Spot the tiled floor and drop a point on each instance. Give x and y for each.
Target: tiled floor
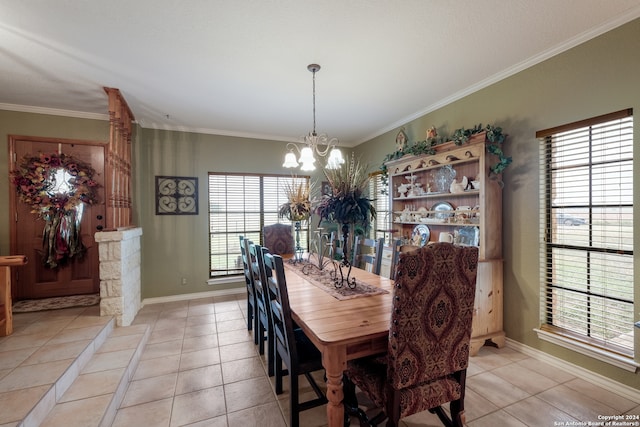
(201, 368)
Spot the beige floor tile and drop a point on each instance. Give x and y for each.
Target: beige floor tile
(229, 315)
(76, 334)
(205, 303)
(550, 371)
(238, 351)
(421, 419)
(476, 406)
(129, 330)
(79, 413)
(576, 404)
(234, 337)
(247, 393)
(634, 411)
(163, 349)
(174, 305)
(50, 327)
(536, 412)
(199, 309)
(109, 360)
(156, 367)
(200, 343)
(11, 359)
(198, 379)
(177, 313)
(220, 421)
(120, 343)
(169, 334)
(62, 351)
(525, 379)
(18, 342)
(32, 376)
(17, 404)
(150, 389)
(233, 325)
(94, 384)
(617, 402)
(199, 330)
(267, 415)
(230, 305)
(488, 359)
(89, 320)
(202, 319)
(495, 389)
(149, 318)
(497, 419)
(199, 358)
(169, 323)
(197, 406)
(156, 414)
(242, 369)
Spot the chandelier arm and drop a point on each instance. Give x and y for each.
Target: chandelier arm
(291, 146)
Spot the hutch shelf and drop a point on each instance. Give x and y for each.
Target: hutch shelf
(451, 196)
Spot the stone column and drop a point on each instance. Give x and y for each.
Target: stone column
(120, 279)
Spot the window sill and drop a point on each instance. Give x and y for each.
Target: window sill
(224, 280)
(618, 360)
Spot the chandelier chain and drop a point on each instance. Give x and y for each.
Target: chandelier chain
(314, 101)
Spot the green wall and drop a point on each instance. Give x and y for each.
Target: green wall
(597, 77)
(177, 246)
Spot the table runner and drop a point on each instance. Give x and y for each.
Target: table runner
(322, 279)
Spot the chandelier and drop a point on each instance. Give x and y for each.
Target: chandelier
(314, 143)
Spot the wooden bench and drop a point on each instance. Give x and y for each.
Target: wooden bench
(6, 316)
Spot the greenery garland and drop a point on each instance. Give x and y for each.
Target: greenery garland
(36, 183)
(493, 136)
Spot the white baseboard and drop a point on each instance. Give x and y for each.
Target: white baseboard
(196, 295)
(578, 371)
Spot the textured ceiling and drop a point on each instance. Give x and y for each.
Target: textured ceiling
(239, 67)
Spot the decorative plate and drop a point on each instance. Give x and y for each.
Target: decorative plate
(469, 236)
(442, 210)
(420, 235)
(443, 178)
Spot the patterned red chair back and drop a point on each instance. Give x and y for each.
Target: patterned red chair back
(278, 238)
(432, 314)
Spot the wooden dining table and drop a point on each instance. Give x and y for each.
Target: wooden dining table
(341, 329)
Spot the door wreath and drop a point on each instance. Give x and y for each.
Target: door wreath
(56, 186)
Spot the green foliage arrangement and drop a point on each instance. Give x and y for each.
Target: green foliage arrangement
(493, 136)
(347, 203)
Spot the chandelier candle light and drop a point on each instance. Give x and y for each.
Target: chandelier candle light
(313, 142)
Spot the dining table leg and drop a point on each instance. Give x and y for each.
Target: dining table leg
(334, 361)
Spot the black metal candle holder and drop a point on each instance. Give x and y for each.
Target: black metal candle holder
(339, 282)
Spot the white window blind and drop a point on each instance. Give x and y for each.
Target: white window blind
(241, 205)
(378, 191)
(586, 218)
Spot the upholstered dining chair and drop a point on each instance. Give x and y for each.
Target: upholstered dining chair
(278, 238)
(396, 249)
(252, 318)
(428, 352)
(263, 304)
(293, 348)
(368, 251)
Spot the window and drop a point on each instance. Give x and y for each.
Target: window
(587, 233)
(378, 191)
(241, 205)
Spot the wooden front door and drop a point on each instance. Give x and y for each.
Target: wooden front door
(80, 275)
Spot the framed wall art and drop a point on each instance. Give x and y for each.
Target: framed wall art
(176, 195)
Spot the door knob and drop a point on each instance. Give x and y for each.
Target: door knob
(99, 227)
(99, 217)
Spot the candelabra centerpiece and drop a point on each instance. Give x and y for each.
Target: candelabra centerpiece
(348, 205)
